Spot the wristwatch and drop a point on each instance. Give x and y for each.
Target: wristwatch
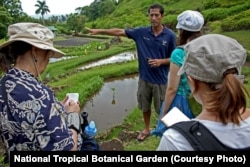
(73, 121)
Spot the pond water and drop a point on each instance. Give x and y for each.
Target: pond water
(117, 97)
(122, 57)
(52, 60)
(113, 102)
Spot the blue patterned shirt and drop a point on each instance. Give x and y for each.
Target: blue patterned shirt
(35, 119)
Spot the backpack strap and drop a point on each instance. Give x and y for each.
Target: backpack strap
(199, 136)
(180, 46)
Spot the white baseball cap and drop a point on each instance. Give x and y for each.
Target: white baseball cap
(190, 20)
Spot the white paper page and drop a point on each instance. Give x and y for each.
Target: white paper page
(174, 116)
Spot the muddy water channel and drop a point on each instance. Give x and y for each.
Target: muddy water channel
(113, 102)
(116, 98)
(122, 57)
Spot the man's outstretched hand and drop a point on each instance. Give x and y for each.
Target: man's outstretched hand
(91, 31)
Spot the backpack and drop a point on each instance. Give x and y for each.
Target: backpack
(200, 137)
(90, 145)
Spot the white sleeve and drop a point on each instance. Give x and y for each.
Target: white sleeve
(173, 141)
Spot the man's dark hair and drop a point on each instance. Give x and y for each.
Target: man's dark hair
(156, 6)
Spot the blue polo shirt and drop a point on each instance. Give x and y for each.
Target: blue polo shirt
(155, 47)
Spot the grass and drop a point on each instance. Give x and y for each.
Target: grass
(133, 123)
(88, 82)
(241, 36)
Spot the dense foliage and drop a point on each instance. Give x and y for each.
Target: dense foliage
(133, 13)
(229, 15)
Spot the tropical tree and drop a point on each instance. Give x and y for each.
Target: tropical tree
(14, 8)
(78, 10)
(63, 18)
(6, 19)
(98, 8)
(106, 7)
(53, 19)
(76, 22)
(42, 9)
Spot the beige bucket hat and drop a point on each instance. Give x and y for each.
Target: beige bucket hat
(34, 34)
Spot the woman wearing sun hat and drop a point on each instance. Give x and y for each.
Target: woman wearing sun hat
(213, 66)
(189, 24)
(31, 118)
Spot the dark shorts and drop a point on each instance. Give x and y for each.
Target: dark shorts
(148, 92)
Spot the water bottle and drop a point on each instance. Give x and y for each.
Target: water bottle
(89, 143)
(90, 130)
(84, 119)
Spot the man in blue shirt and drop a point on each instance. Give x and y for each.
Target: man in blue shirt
(154, 46)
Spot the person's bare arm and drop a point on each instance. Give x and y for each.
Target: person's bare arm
(112, 32)
(165, 61)
(173, 83)
(158, 62)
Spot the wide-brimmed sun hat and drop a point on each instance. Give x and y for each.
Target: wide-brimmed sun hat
(208, 57)
(34, 34)
(190, 20)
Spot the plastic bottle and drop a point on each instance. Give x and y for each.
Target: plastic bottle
(90, 130)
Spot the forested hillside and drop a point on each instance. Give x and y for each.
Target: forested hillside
(229, 17)
(220, 15)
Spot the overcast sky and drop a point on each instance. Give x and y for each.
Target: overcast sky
(56, 7)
